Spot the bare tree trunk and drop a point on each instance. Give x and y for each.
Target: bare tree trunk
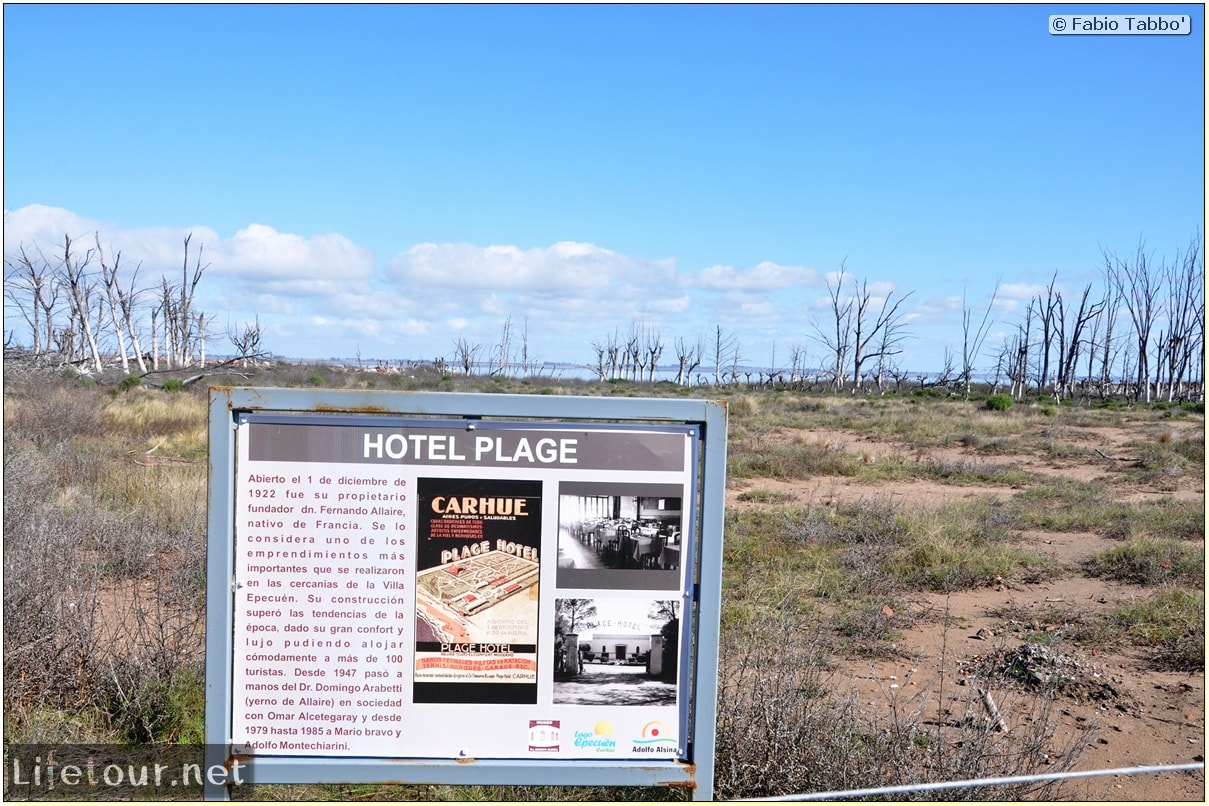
(79, 286)
(171, 329)
(886, 326)
(654, 349)
(1085, 314)
(1112, 307)
(127, 312)
(1046, 312)
(155, 342)
(525, 368)
(1018, 363)
(1138, 290)
(184, 314)
(971, 344)
(202, 324)
(1185, 292)
(109, 277)
(464, 352)
(33, 288)
(505, 346)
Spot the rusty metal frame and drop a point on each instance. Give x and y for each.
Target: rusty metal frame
(694, 771)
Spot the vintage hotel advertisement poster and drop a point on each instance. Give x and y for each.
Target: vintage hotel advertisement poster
(477, 587)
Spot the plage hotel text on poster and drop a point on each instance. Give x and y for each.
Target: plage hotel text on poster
(421, 588)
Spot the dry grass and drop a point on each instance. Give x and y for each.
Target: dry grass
(143, 414)
(105, 543)
(103, 560)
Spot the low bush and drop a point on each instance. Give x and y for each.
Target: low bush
(103, 568)
(1171, 622)
(1151, 561)
(787, 725)
(999, 402)
(792, 460)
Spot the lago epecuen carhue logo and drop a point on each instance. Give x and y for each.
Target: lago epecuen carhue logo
(600, 739)
(655, 739)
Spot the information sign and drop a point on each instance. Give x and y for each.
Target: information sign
(396, 585)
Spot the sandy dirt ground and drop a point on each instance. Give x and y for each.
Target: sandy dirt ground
(1124, 711)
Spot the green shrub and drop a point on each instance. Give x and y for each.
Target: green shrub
(761, 495)
(743, 406)
(129, 382)
(793, 460)
(1172, 622)
(1150, 561)
(316, 380)
(999, 402)
(173, 385)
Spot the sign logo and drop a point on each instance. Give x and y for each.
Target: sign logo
(655, 739)
(544, 735)
(600, 738)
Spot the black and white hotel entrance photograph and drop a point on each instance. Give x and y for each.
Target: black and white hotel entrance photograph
(616, 652)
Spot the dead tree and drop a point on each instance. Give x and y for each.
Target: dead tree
(838, 339)
(1139, 290)
(504, 348)
(688, 358)
(883, 331)
(1047, 311)
(1071, 339)
(247, 342)
(654, 349)
(73, 271)
(185, 319)
(1184, 278)
(33, 288)
(608, 355)
(466, 354)
(1112, 306)
(971, 343)
(121, 304)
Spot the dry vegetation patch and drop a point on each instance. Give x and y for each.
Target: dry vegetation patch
(891, 564)
(1099, 513)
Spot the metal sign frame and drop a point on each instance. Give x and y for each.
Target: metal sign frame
(703, 421)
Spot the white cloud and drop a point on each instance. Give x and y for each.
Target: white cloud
(377, 332)
(758, 310)
(1020, 291)
(258, 258)
(262, 258)
(44, 226)
(764, 276)
(162, 249)
(878, 290)
(670, 305)
(565, 267)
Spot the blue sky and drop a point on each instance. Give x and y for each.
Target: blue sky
(387, 179)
